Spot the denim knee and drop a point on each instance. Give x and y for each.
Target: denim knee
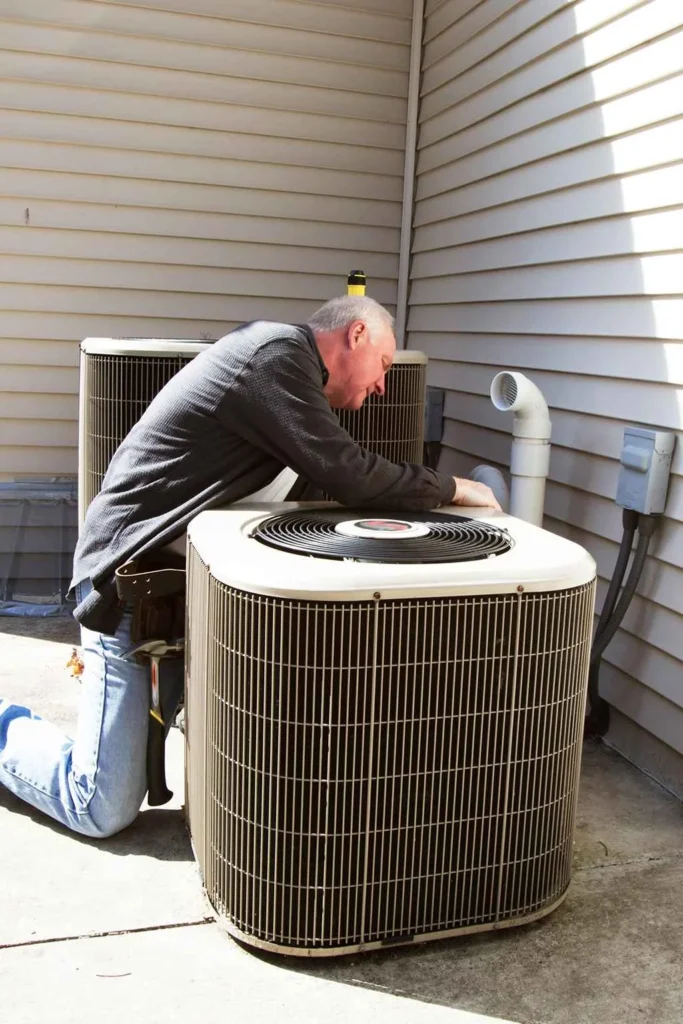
(107, 820)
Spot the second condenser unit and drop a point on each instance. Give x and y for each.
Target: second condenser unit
(120, 377)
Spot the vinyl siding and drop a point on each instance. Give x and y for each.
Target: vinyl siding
(549, 213)
(167, 170)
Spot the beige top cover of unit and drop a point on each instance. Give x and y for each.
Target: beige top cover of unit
(539, 561)
(406, 356)
(178, 346)
(142, 347)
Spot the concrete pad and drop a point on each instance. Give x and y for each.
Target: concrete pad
(610, 955)
(33, 671)
(623, 815)
(60, 628)
(188, 974)
(58, 884)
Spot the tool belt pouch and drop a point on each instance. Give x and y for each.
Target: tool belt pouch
(156, 590)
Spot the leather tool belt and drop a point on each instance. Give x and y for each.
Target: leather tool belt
(156, 591)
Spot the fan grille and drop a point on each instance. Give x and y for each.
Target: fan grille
(450, 538)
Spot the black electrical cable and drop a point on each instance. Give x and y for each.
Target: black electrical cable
(629, 520)
(597, 720)
(646, 527)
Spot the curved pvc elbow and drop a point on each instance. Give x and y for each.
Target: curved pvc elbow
(513, 392)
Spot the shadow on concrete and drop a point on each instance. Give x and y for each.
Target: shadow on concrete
(157, 833)
(61, 629)
(609, 953)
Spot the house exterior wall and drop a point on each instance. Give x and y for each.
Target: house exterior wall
(549, 209)
(168, 171)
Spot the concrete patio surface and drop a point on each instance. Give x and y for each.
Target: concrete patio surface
(101, 931)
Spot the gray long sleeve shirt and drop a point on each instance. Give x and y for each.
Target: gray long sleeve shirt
(222, 428)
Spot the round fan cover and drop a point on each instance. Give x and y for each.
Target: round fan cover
(412, 537)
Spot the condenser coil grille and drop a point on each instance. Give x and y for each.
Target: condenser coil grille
(392, 425)
(119, 389)
(372, 772)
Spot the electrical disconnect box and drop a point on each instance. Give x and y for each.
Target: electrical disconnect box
(645, 465)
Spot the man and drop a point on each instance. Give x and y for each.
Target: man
(256, 401)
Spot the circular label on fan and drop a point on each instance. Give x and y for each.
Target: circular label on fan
(397, 529)
(384, 525)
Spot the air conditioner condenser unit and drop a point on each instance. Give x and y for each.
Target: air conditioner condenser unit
(384, 722)
(120, 377)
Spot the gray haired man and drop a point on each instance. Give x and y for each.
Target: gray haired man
(225, 426)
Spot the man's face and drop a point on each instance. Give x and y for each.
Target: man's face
(362, 366)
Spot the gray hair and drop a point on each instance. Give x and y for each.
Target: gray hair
(337, 314)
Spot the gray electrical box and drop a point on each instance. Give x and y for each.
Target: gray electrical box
(645, 465)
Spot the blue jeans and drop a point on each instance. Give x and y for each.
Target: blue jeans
(96, 782)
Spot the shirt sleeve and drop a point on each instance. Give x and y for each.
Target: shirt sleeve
(277, 404)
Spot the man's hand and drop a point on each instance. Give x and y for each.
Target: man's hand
(468, 492)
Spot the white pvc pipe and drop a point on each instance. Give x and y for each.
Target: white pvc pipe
(531, 429)
(409, 174)
(528, 472)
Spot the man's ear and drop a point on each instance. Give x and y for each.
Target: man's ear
(355, 334)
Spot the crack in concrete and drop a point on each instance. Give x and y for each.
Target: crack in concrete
(108, 934)
(672, 857)
(654, 858)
